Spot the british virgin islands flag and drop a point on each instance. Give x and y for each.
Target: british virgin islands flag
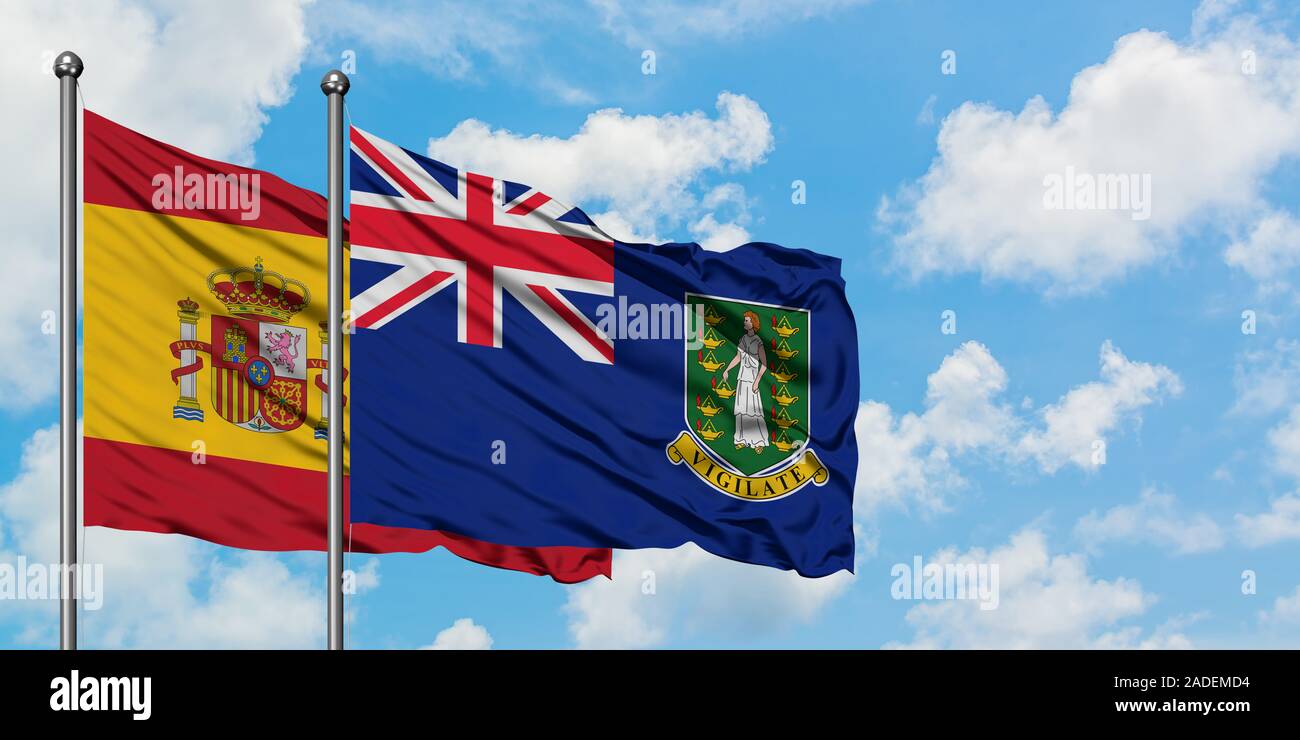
(519, 376)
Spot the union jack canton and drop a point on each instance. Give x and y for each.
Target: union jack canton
(445, 227)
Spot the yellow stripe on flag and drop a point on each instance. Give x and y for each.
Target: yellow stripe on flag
(138, 265)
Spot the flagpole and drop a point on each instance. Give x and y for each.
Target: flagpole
(335, 85)
(68, 67)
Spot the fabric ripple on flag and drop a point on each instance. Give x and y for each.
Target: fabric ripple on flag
(204, 360)
(522, 376)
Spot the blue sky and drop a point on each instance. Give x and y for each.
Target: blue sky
(976, 445)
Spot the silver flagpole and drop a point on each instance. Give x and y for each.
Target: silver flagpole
(67, 67)
(335, 85)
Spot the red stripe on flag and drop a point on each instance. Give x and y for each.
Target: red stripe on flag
(480, 274)
(275, 508)
(217, 376)
(530, 205)
(390, 169)
(482, 240)
(126, 169)
(378, 313)
(580, 326)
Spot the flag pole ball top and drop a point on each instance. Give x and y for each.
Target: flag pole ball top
(69, 63)
(334, 81)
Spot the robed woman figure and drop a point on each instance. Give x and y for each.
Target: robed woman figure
(751, 425)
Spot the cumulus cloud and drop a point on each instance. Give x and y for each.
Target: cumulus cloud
(1088, 413)
(729, 202)
(1269, 251)
(1285, 610)
(909, 459)
(1284, 440)
(662, 595)
(898, 464)
(253, 602)
(149, 66)
(159, 591)
(961, 412)
(463, 634)
(1268, 380)
(1154, 107)
(644, 168)
(1279, 524)
(1045, 601)
(1155, 519)
(718, 237)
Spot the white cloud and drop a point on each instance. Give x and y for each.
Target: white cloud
(199, 75)
(641, 22)
(897, 463)
(1279, 524)
(1154, 519)
(662, 595)
(1154, 106)
(391, 32)
(1268, 380)
(730, 201)
(27, 500)
(254, 602)
(566, 92)
(1285, 611)
(1269, 251)
(960, 409)
(1045, 601)
(159, 590)
(925, 117)
(1284, 439)
(642, 167)
(1166, 636)
(473, 40)
(1090, 412)
(463, 634)
(718, 237)
(909, 459)
(365, 578)
(615, 225)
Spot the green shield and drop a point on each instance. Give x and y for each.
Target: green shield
(720, 408)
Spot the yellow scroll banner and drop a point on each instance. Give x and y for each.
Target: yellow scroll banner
(758, 488)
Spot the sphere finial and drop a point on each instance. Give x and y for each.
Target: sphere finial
(68, 64)
(335, 81)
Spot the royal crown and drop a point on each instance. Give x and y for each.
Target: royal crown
(257, 293)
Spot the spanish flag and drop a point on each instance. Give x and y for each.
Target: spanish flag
(204, 370)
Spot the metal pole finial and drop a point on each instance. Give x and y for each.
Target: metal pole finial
(67, 67)
(335, 81)
(68, 64)
(335, 86)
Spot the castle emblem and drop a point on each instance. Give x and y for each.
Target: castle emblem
(259, 373)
